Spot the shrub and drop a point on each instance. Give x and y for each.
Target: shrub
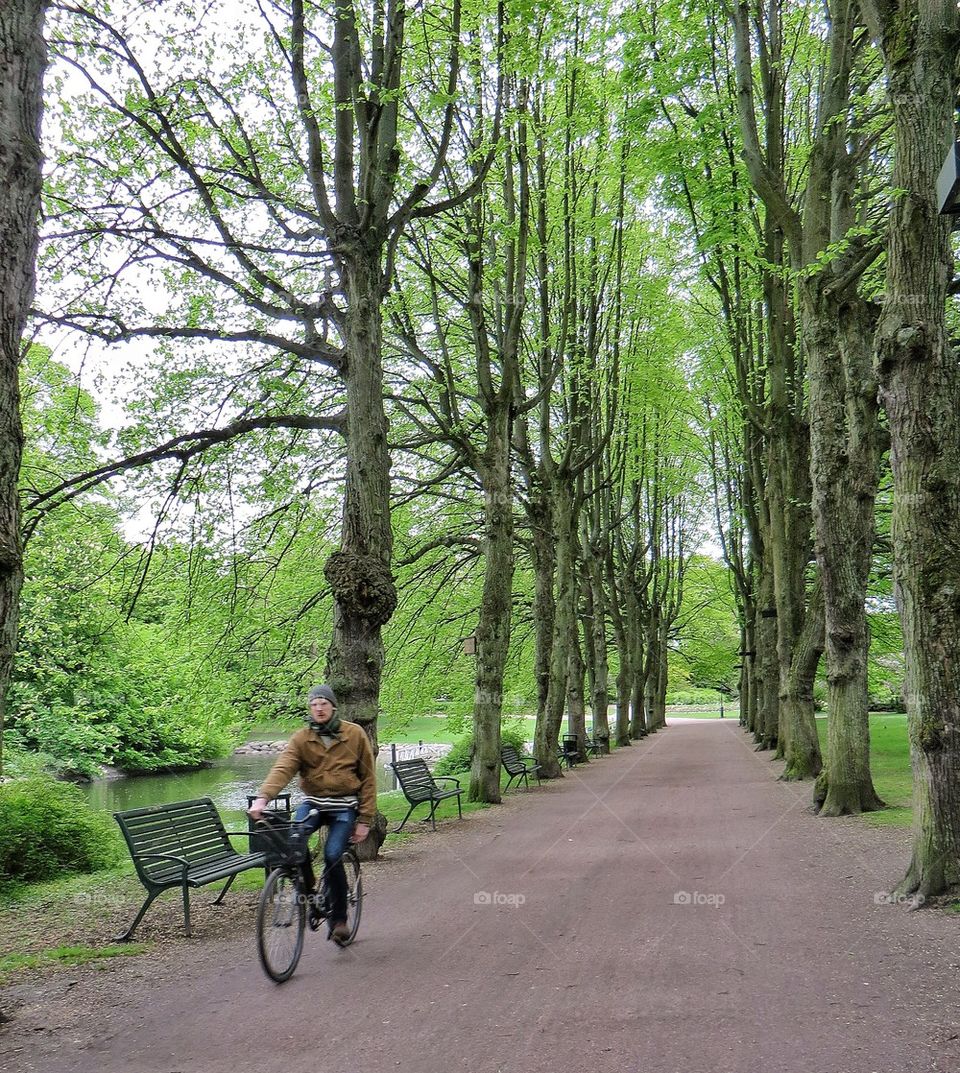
(693, 696)
(458, 759)
(47, 828)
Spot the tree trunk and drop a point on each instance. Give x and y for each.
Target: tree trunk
(576, 707)
(651, 672)
(638, 664)
(844, 466)
(748, 694)
(920, 390)
(789, 548)
(359, 571)
(802, 747)
(493, 630)
(590, 655)
(596, 625)
(765, 663)
(547, 730)
(786, 531)
(624, 680)
(656, 685)
(624, 663)
(836, 328)
(22, 62)
(540, 516)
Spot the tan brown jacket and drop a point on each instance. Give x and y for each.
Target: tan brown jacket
(343, 768)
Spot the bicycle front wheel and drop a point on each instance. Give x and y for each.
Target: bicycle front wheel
(281, 922)
(351, 865)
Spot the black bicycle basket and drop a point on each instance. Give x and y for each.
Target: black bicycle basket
(285, 842)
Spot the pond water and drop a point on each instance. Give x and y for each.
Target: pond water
(227, 782)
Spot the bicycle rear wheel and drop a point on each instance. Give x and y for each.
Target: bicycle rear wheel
(281, 922)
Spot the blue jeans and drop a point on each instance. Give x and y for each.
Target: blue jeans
(341, 823)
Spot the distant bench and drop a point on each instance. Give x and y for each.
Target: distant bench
(598, 745)
(420, 787)
(182, 844)
(518, 767)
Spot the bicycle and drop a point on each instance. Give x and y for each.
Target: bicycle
(287, 908)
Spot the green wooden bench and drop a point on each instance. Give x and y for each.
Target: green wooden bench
(598, 745)
(181, 844)
(518, 767)
(421, 788)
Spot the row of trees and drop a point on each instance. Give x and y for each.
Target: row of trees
(806, 163)
(568, 271)
(282, 203)
(148, 658)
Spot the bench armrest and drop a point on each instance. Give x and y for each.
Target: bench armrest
(446, 778)
(162, 857)
(182, 861)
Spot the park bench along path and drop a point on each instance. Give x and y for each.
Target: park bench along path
(671, 908)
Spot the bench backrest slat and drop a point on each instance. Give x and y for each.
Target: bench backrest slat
(414, 776)
(189, 829)
(512, 760)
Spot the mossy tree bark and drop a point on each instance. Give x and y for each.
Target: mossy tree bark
(596, 540)
(359, 571)
(547, 729)
(836, 329)
(920, 391)
(787, 522)
(496, 347)
(496, 611)
(22, 62)
(576, 700)
(802, 747)
(619, 569)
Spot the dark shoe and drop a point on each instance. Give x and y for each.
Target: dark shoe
(340, 932)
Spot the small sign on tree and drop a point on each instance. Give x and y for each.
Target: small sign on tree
(948, 183)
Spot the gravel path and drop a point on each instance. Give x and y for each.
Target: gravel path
(671, 908)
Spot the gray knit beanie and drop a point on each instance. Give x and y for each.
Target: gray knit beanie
(322, 693)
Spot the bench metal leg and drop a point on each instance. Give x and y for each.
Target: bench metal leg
(128, 934)
(434, 805)
(219, 897)
(407, 817)
(186, 908)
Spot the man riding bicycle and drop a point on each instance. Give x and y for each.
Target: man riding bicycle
(337, 772)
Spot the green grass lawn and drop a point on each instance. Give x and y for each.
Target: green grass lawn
(431, 729)
(890, 765)
(684, 712)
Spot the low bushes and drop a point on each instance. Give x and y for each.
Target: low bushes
(47, 828)
(458, 759)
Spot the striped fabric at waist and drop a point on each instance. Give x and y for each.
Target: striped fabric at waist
(331, 804)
